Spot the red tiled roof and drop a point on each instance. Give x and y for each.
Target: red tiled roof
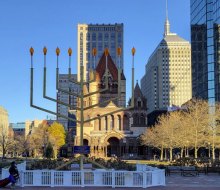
(100, 69)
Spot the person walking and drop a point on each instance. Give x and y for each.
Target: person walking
(14, 175)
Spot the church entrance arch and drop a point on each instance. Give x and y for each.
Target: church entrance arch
(113, 148)
(85, 142)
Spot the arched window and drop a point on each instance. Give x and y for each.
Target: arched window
(139, 102)
(90, 102)
(142, 119)
(135, 119)
(85, 142)
(112, 122)
(99, 123)
(119, 122)
(106, 123)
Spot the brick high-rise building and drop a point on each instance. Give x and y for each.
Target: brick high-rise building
(99, 36)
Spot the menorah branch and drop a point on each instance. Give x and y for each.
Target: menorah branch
(103, 102)
(45, 91)
(110, 113)
(62, 90)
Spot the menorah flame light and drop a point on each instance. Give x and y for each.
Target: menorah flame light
(81, 95)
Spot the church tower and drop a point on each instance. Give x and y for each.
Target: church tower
(99, 84)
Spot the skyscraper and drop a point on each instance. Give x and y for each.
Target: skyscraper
(99, 36)
(205, 38)
(167, 79)
(64, 84)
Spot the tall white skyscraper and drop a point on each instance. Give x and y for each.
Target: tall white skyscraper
(167, 79)
(99, 36)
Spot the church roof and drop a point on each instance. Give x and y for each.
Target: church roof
(137, 91)
(100, 69)
(111, 105)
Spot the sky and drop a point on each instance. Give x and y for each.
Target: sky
(53, 23)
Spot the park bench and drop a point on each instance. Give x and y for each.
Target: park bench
(202, 170)
(183, 170)
(189, 171)
(77, 166)
(173, 169)
(213, 170)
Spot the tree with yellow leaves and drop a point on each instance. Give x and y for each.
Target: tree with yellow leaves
(57, 136)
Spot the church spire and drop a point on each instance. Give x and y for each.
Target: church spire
(167, 23)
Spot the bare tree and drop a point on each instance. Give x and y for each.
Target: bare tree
(196, 120)
(154, 137)
(5, 141)
(21, 145)
(190, 128)
(213, 131)
(39, 139)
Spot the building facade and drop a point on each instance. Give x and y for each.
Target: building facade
(205, 39)
(63, 83)
(99, 36)
(167, 79)
(18, 128)
(116, 134)
(30, 126)
(4, 121)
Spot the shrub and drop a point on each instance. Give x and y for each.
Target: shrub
(113, 163)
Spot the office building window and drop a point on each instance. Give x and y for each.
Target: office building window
(106, 45)
(100, 46)
(93, 36)
(100, 38)
(112, 36)
(94, 45)
(106, 37)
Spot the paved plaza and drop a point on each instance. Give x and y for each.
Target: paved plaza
(173, 182)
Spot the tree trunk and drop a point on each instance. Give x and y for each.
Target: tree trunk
(181, 153)
(3, 153)
(55, 152)
(196, 152)
(171, 154)
(165, 155)
(213, 153)
(161, 154)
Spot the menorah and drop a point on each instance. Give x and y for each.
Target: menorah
(81, 95)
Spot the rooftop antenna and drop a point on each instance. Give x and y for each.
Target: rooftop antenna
(167, 24)
(166, 11)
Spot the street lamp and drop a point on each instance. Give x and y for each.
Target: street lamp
(81, 96)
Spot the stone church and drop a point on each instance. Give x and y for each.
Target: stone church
(116, 134)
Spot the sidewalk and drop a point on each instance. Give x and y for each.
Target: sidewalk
(173, 182)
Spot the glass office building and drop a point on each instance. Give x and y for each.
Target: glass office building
(205, 44)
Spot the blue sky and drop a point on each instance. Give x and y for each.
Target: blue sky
(53, 23)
